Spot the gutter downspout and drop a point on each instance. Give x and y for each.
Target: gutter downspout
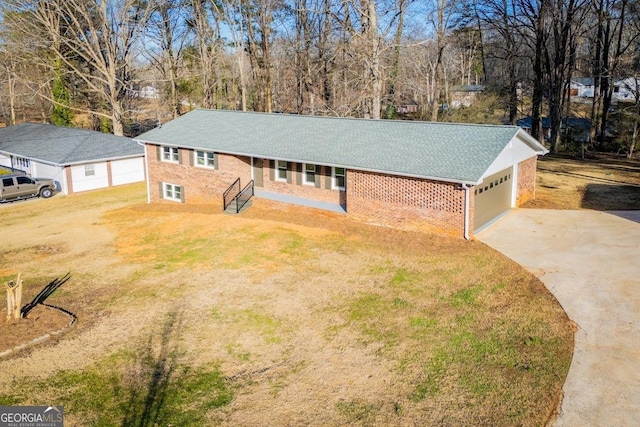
(146, 169)
(466, 210)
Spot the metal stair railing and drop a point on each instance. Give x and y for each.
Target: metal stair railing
(244, 196)
(233, 190)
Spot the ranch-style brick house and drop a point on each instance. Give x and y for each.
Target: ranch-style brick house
(452, 179)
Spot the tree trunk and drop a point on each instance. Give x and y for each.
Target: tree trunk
(538, 81)
(395, 64)
(634, 134)
(12, 100)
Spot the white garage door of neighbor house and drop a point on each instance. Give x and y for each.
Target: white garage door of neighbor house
(492, 197)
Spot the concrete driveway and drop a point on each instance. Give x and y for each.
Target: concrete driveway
(590, 261)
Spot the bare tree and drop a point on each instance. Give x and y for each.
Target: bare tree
(205, 19)
(8, 78)
(168, 33)
(500, 18)
(441, 20)
(613, 43)
(80, 32)
(231, 15)
(258, 16)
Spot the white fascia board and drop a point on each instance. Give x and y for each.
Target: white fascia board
(516, 151)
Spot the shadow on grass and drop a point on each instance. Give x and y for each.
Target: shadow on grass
(611, 197)
(156, 364)
(45, 293)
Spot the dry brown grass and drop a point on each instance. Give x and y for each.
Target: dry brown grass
(600, 184)
(312, 319)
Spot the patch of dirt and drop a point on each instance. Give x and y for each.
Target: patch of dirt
(41, 320)
(599, 183)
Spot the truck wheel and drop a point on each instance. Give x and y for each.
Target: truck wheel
(45, 193)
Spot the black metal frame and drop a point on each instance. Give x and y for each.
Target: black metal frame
(241, 197)
(226, 203)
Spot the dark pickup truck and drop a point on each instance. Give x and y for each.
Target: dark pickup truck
(16, 187)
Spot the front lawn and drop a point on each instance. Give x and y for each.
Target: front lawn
(279, 316)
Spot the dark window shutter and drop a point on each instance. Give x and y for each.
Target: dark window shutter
(317, 177)
(180, 155)
(299, 173)
(289, 173)
(182, 194)
(215, 160)
(161, 190)
(327, 177)
(159, 151)
(272, 170)
(192, 155)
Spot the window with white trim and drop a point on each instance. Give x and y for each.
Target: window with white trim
(309, 174)
(281, 170)
(170, 154)
(339, 178)
(89, 170)
(205, 159)
(172, 192)
(20, 162)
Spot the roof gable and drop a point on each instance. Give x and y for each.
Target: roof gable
(444, 151)
(65, 146)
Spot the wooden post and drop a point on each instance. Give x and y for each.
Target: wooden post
(14, 298)
(18, 298)
(9, 301)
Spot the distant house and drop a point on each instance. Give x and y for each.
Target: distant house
(77, 159)
(626, 90)
(407, 107)
(149, 92)
(581, 87)
(464, 95)
(526, 123)
(578, 126)
(446, 178)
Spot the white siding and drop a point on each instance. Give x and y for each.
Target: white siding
(41, 170)
(83, 183)
(5, 161)
(515, 152)
(127, 171)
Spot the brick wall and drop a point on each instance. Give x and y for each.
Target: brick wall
(67, 172)
(406, 203)
(322, 191)
(399, 202)
(526, 181)
(200, 185)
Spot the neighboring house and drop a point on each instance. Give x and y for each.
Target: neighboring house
(149, 92)
(447, 178)
(464, 95)
(581, 87)
(526, 123)
(77, 159)
(578, 126)
(626, 90)
(407, 107)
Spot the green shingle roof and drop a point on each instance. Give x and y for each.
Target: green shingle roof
(65, 146)
(450, 152)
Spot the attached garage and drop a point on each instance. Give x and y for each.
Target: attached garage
(493, 197)
(508, 182)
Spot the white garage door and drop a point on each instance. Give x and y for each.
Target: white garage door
(89, 177)
(492, 197)
(127, 171)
